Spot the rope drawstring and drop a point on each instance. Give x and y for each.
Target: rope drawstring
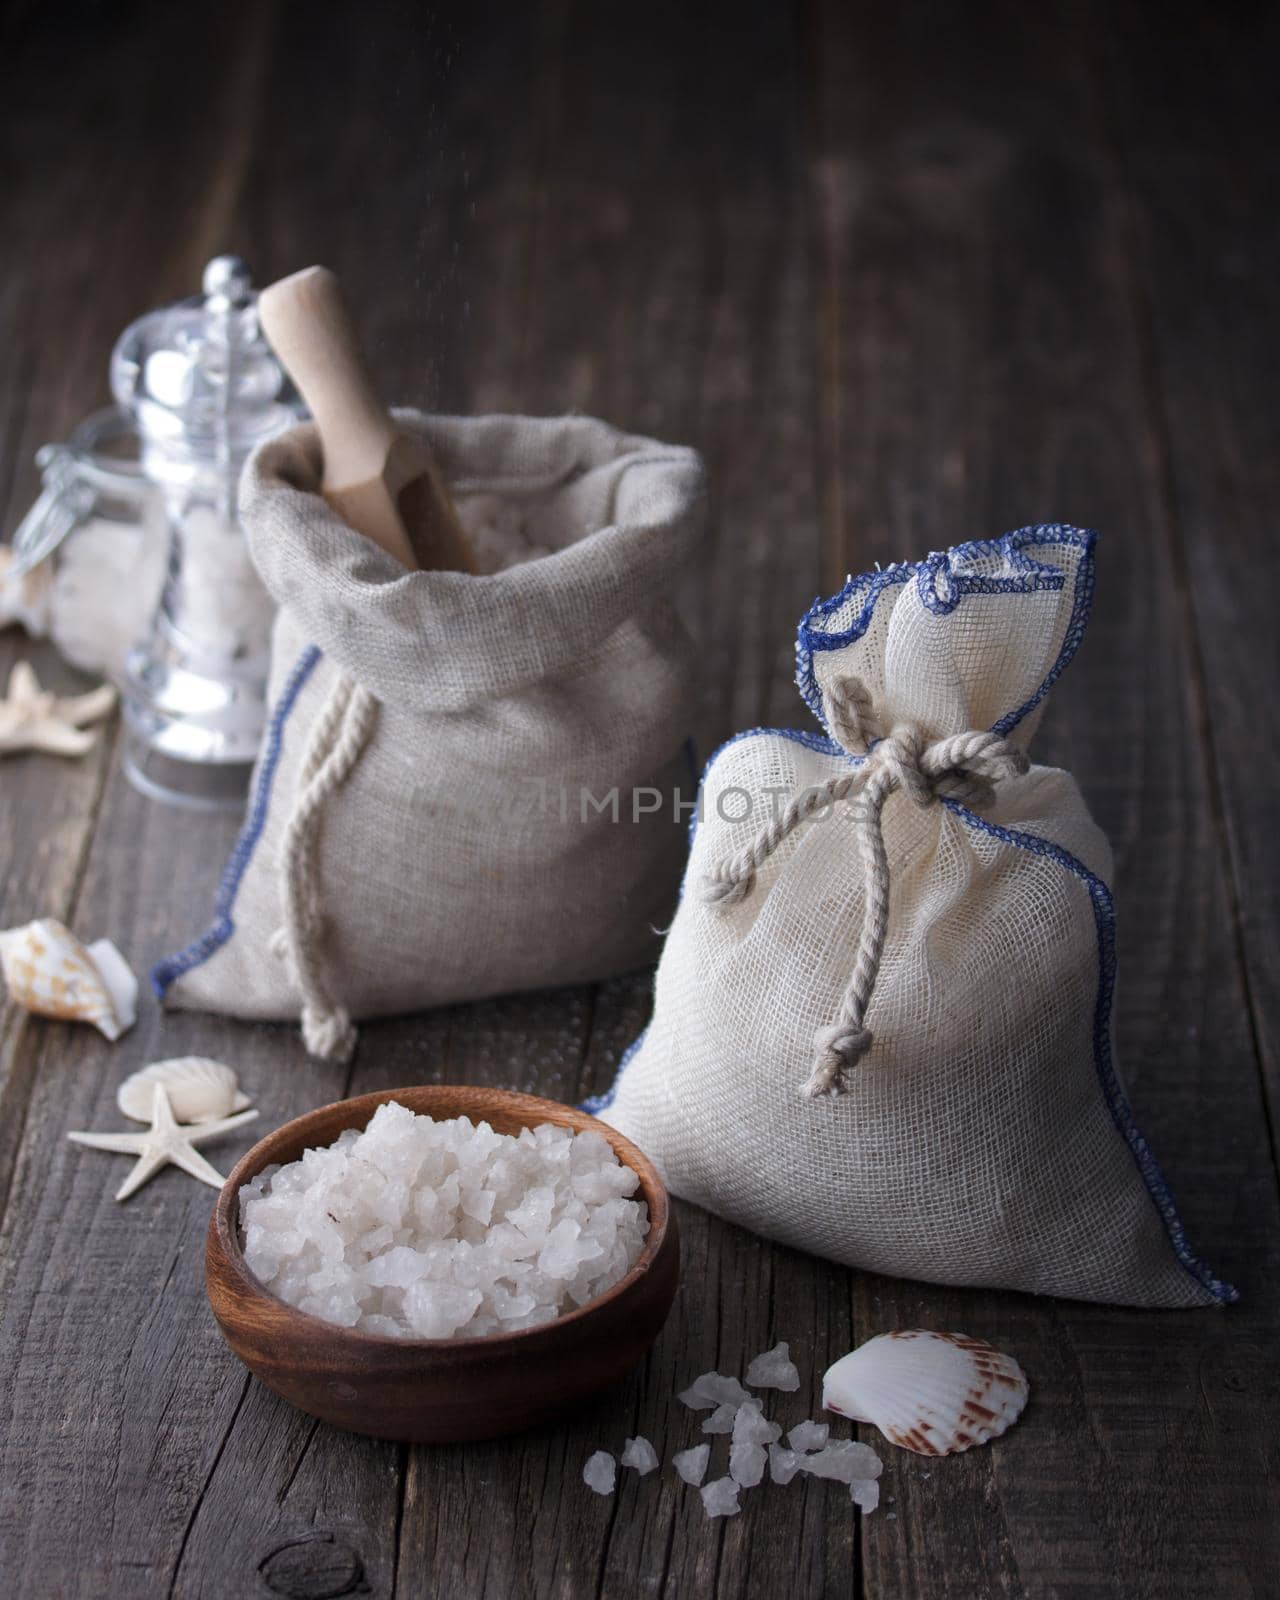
(964, 767)
(338, 736)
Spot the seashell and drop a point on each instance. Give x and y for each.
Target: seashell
(199, 1090)
(50, 973)
(934, 1393)
(25, 600)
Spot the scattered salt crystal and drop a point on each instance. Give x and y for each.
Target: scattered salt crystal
(713, 1389)
(600, 1472)
(691, 1464)
(844, 1460)
(746, 1462)
(640, 1454)
(720, 1498)
(721, 1419)
(865, 1494)
(809, 1436)
(751, 1427)
(774, 1369)
(754, 1443)
(445, 1230)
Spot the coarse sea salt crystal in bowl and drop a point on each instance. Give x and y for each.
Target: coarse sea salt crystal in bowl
(438, 1390)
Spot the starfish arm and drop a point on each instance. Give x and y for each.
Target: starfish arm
(204, 1131)
(162, 1119)
(148, 1164)
(57, 738)
(193, 1162)
(123, 1144)
(92, 707)
(23, 683)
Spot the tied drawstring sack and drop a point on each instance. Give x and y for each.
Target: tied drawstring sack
(468, 785)
(882, 1019)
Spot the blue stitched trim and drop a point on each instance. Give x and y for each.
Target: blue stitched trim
(171, 968)
(941, 590)
(1117, 1102)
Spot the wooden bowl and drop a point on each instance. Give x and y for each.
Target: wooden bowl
(436, 1390)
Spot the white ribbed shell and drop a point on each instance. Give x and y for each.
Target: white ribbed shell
(934, 1393)
(199, 1090)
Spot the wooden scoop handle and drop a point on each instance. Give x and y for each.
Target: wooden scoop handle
(383, 481)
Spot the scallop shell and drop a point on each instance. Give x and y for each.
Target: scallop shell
(199, 1090)
(51, 974)
(934, 1393)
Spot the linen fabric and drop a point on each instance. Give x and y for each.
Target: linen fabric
(470, 848)
(983, 1138)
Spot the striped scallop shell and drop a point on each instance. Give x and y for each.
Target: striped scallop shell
(934, 1393)
(50, 973)
(199, 1090)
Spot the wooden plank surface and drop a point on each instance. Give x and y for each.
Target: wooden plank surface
(83, 251)
(1207, 259)
(989, 350)
(905, 277)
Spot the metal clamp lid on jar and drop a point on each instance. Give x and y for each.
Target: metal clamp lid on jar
(197, 387)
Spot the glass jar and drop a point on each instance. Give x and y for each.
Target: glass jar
(152, 583)
(98, 532)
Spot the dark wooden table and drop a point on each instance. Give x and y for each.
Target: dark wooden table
(906, 274)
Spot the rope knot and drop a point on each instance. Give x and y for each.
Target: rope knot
(962, 767)
(836, 1048)
(899, 757)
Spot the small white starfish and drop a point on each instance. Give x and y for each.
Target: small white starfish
(32, 718)
(164, 1141)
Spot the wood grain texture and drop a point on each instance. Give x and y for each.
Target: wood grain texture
(1206, 256)
(905, 275)
(987, 339)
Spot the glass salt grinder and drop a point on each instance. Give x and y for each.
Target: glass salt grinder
(203, 388)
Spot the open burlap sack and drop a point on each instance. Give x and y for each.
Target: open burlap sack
(882, 1023)
(467, 783)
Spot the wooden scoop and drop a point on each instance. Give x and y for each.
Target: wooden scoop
(380, 480)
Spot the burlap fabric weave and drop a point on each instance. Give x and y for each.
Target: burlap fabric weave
(466, 844)
(970, 1127)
